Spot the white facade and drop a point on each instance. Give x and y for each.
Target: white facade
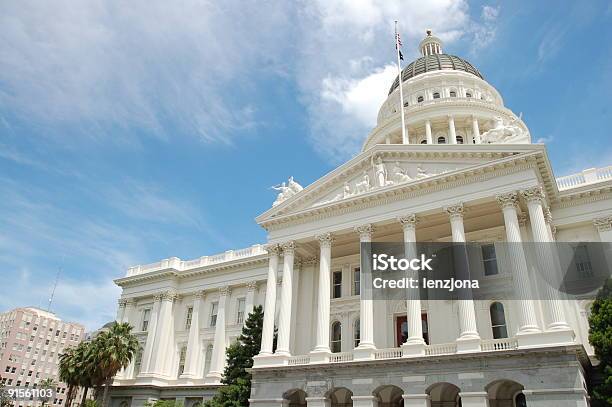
(466, 172)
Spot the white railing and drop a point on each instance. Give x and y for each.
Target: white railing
(341, 357)
(499, 344)
(588, 176)
(299, 360)
(178, 264)
(441, 349)
(389, 353)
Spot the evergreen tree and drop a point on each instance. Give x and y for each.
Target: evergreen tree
(236, 379)
(600, 336)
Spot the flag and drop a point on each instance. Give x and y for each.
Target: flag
(398, 45)
(401, 56)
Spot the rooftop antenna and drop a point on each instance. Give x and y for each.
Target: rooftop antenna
(59, 270)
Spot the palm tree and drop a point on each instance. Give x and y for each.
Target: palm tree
(114, 350)
(68, 373)
(45, 384)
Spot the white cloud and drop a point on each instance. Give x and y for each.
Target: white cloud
(347, 53)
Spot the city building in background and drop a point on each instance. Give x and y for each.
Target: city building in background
(463, 168)
(31, 342)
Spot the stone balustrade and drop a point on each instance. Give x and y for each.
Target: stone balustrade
(586, 177)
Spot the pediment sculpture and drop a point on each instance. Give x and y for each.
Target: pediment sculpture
(286, 190)
(381, 178)
(503, 132)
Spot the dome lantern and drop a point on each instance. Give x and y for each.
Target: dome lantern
(430, 45)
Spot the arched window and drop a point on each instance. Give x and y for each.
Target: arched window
(419, 99)
(498, 320)
(519, 400)
(441, 140)
(459, 139)
(208, 359)
(468, 95)
(453, 94)
(423, 141)
(356, 332)
(336, 341)
(436, 95)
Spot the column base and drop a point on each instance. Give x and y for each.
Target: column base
(468, 344)
(213, 378)
(412, 349)
(189, 377)
(318, 402)
(474, 399)
(546, 338)
(416, 400)
(364, 401)
(265, 360)
(320, 356)
(365, 352)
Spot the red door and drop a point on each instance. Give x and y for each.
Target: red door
(401, 329)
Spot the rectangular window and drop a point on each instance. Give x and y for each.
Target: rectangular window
(337, 284)
(137, 361)
(146, 314)
(582, 261)
(356, 281)
(214, 308)
(240, 306)
(188, 317)
(489, 260)
(182, 356)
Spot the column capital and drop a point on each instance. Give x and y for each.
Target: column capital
(273, 249)
(200, 294)
(288, 248)
(533, 194)
(408, 221)
(225, 291)
(522, 219)
(455, 211)
(365, 231)
(252, 285)
(170, 296)
(325, 240)
(158, 297)
(547, 216)
(122, 302)
(603, 224)
(507, 200)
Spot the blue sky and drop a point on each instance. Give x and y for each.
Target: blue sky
(132, 132)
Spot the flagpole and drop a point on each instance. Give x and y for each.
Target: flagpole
(399, 75)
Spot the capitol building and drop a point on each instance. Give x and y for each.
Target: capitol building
(465, 169)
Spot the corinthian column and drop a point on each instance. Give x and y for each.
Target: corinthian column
(218, 356)
(284, 319)
(415, 345)
(193, 342)
(147, 357)
(267, 334)
(250, 299)
(468, 340)
(527, 317)
(451, 130)
(476, 130)
(164, 333)
(321, 351)
(428, 136)
(366, 304)
(546, 259)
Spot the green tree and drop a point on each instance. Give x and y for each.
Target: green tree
(46, 384)
(240, 354)
(600, 336)
(5, 399)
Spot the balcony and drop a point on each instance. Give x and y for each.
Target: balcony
(487, 345)
(586, 177)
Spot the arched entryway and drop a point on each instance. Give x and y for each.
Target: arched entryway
(444, 395)
(389, 396)
(340, 397)
(505, 393)
(296, 398)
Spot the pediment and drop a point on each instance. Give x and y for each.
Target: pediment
(386, 168)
